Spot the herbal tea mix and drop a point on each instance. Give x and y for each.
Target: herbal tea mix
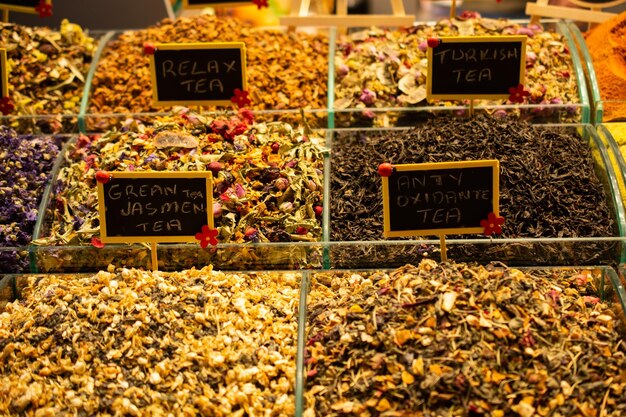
(25, 168)
(379, 68)
(459, 340)
(548, 184)
(47, 71)
(267, 176)
(131, 342)
(284, 70)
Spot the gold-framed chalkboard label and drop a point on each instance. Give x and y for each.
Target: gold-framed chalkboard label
(440, 198)
(475, 67)
(41, 7)
(159, 206)
(4, 74)
(209, 73)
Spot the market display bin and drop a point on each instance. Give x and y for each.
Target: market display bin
(25, 188)
(61, 245)
(229, 338)
(303, 79)
(410, 339)
(522, 251)
(355, 102)
(600, 106)
(614, 137)
(51, 80)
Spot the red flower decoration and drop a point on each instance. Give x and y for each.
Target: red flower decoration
(433, 42)
(385, 169)
(6, 105)
(97, 243)
(44, 9)
(103, 177)
(260, 3)
(149, 48)
(241, 98)
(518, 93)
(207, 236)
(492, 224)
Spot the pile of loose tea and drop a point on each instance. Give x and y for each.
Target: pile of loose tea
(284, 70)
(548, 185)
(461, 340)
(25, 165)
(267, 177)
(46, 70)
(379, 68)
(130, 342)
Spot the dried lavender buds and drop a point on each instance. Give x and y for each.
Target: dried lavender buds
(378, 68)
(25, 165)
(285, 70)
(130, 342)
(267, 176)
(459, 340)
(46, 70)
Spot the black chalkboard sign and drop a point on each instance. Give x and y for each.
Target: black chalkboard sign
(198, 4)
(24, 6)
(4, 76)
(440, 198)
(473, 67)
(197, 73)
(154, 206)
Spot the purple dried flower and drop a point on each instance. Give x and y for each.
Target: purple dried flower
(25, 164)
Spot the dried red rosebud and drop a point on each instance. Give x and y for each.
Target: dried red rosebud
(215, 167)
(318, 210)
(528, 340)
(302, 230)
(250, 232)
(275, 147)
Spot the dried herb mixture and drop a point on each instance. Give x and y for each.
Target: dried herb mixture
(379, 68)
(267, 176)
(460, 340)
(46, 70)
(130, 342)
(25, 165)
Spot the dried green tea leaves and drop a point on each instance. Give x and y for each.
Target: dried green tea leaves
(548, 185)
(131, 342)
(460, 340)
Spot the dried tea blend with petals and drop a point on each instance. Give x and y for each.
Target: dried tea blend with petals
(548, 183)
(284, 70)
(454, 339)
(46, 73)
(25, 168)
(267, 187)
(131, 342)
(379, 68)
